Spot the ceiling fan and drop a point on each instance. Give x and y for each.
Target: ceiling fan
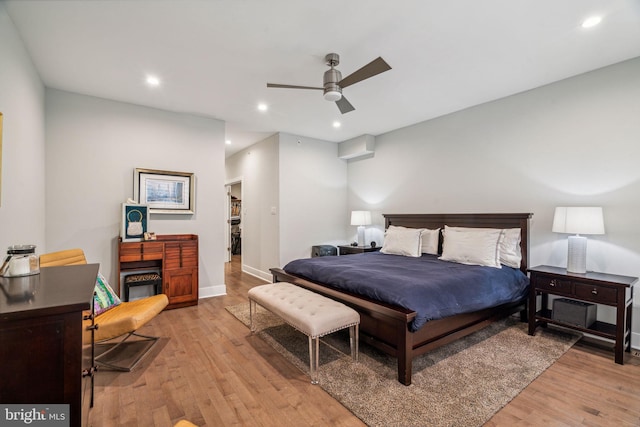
(334, 83)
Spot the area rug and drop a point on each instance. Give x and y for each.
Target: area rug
(460, 384)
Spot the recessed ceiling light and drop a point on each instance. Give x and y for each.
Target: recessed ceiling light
(262, 107)
(228, 142)
(591, 21)
(153, 81)
(336, 124)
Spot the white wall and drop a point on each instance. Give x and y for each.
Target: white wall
(93, 147)
(257, 166)
(22, 208)
(571, 143)
(313, 196)
(293, 197)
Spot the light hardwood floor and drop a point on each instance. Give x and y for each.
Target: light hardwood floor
(209, 369)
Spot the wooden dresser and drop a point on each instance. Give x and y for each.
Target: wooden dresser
(175, 256)
(46, 355)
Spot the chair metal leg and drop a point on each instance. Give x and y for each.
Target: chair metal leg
(102, 360)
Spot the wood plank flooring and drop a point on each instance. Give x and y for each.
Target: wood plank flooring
(209, 369)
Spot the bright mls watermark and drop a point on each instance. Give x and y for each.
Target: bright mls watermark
(36, 415)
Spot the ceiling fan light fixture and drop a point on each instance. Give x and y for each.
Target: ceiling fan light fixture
(333, 83)
(332, 95)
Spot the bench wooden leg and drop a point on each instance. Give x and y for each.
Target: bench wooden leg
(314, 347)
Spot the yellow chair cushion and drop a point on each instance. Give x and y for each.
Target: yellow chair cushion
(184, 423)
(128, 316)
(124, 318)
(66, 257)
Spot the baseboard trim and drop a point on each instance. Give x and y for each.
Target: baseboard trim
(257, 273)
(212, 291)
(635, 340)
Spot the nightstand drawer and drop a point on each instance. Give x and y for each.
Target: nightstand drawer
(595, 293)
(551, 284)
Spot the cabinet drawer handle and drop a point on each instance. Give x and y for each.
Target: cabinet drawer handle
(92, 327)
(594, 292)
(552, 283)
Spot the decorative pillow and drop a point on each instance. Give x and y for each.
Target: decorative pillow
(105, 298)
(429, 241)
(402, 241)
(510, 253)
(474, 246)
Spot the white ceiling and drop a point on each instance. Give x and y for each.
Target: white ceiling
(215, 57)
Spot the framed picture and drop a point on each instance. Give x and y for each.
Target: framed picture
(0, 159)
(135, 222)
(165, 192)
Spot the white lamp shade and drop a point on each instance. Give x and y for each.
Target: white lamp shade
(360, 218)
(578, 220)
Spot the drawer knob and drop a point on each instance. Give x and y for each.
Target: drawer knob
(594, 292)
(552, 283)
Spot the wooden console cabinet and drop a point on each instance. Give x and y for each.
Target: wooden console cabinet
(175, 256)
(599, 288)
(46, 353)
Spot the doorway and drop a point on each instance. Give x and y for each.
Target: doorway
(234, 221)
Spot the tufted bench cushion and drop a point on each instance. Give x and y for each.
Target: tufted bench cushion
(310, 313)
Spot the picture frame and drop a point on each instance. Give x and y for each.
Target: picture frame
(1, 159)
(135, 222)
(165, 192)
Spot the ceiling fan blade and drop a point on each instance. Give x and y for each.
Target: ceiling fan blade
(373, 68)
(344, 105)
(293, 87)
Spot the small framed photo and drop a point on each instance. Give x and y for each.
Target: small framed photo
(135, 222)
(150, 235)
(165, 192)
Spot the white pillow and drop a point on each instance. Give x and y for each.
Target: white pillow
(510, 253)
(429, 241)
(402, 241)
(474, 246)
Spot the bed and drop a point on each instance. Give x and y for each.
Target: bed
(390, 327)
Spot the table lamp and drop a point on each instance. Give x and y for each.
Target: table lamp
(578, 220)
(360, 218)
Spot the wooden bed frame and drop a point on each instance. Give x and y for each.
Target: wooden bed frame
(385, 326)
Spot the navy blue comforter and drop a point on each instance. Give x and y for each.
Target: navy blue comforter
(434, 289)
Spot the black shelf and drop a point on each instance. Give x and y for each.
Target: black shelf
(601, 329)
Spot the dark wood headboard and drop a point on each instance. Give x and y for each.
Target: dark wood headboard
(483, 220)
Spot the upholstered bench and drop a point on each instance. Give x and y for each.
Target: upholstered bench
(310, 313)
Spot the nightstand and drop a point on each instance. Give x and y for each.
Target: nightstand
(348, 249)
(599, 288)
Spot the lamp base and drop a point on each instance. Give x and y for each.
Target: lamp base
(361, 235)
(577, 254)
